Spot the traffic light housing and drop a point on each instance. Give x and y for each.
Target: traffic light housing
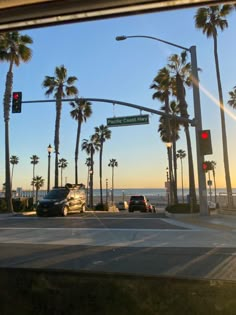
(205, 142)
(206, 166)
(16, 102)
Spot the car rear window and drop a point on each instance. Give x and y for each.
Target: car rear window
(137, 198)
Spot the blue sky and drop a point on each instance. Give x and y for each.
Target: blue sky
(122, 71)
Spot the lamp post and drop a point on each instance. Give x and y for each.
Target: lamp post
(197, 114)
(167, 187)
(49, 160)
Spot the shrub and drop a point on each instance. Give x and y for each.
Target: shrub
(182, 208)
(101, 207)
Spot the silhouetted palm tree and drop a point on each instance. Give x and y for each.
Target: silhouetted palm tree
(102, 133)
(209, 19)
(113, 163)
(61, 85)
(14, 50)
(34, 161)
(81, 111)
(14, 160)
(181, 70)
(181, 155)
(62, 164)
(37, 182)
(90, 146)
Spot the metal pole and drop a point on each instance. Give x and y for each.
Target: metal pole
(198, 127)
(49, 159)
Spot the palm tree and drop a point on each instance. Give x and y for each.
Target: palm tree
(14, 50)
(90, 146)
(209, 19)
(61, 86)
(62, 164)
(88, 163)
(81, 111)
(102, 133)
(181, 155)
(14, 160)
(113, 163)
(181, 69)
(37, 182)
(34, 161)
(168, 128)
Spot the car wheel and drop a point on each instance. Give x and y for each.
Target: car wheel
(64, 211)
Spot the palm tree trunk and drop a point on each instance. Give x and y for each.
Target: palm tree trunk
(77, 152)
(7, 100)
(112, 184)
(175, 172)
(192, 191)
(100, 172)
(91, 183)
(56, 137)
(182, 180)
(223, 127)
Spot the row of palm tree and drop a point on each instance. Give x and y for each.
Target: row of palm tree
(171, 81)
(90, 146)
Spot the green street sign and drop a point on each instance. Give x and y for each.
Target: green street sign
(128, 121)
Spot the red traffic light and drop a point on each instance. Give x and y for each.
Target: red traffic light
(204, 134)
(205, 146)
(204, 166)
(15, 95)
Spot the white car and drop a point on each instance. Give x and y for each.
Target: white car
(211, 205)
(122, 205)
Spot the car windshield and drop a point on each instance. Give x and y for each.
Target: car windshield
(57, 194)
(138, 108)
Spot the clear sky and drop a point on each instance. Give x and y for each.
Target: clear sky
(121, 71)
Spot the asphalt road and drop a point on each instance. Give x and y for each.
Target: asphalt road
(129, 243)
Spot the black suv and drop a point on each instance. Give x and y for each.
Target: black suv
(139, 203)
(61, 200)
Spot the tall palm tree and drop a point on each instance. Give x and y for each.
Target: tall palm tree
(90, 146)
(61, 85)
(62, 164)
(113, 163)
(181, 70)
(37, 182)
(102, 133)
(168, 128)
(34, 160)
(209, 19)
(80, 112)
(181, 155)
(14, 160)
(88, 163)
(14, 50)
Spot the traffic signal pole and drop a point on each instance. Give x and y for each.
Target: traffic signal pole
(198, 127)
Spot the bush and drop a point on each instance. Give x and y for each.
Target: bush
(182, 208)
(101, 207)
(3, 205)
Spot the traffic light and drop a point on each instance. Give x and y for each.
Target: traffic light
(16, 102)
(205, 142)
(206, 166)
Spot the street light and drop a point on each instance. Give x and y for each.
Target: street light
(49, 160)
(197, 114)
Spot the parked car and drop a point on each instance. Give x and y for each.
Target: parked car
(138, 203)
(122, 205)
(62, 200)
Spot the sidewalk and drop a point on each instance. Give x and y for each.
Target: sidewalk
(215, 220)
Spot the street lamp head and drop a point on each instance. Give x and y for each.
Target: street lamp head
(49, 148)
(168, 144)
(123, 37)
